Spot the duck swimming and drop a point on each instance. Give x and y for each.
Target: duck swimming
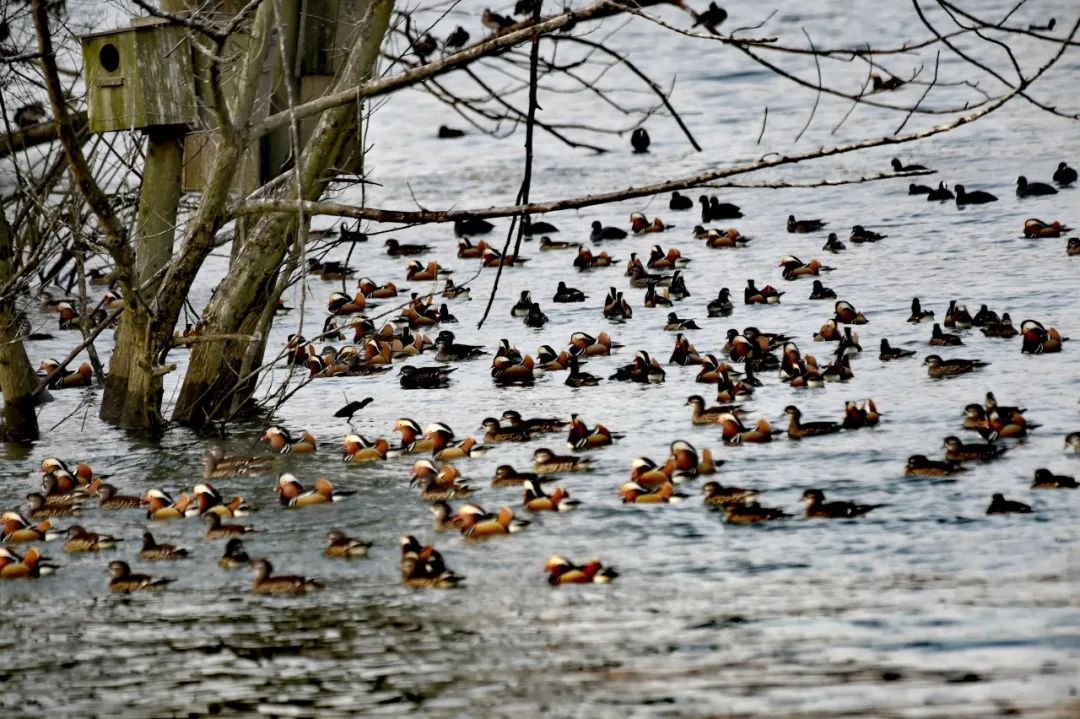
(803, 226)
(1064, 175)
(978, 197)
(940, 194)
(1032, 189)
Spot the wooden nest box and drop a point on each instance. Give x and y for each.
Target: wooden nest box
(139, 77)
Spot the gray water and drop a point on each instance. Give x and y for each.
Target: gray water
(925, 608)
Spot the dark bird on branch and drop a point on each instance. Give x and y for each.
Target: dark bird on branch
(425, 45)
(457, 39)
(495, 21)
(526, 7)
(31, 114)
(640, 140)
(1045, 28)
(352, 408)
(881, 83)
(712, 17)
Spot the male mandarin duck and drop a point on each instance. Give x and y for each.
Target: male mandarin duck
(562, 571)
(64, 379)
(634, 493)
(356, 448)
(475, 523)
(582, 437)
(29, 566)
(536, 500)
(208, 499)
(424, 568)
(160, 506)
(17, 530)
(282, 442)
(292, 494)
(735, 432)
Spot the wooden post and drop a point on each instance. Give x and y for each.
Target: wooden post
(159, 200)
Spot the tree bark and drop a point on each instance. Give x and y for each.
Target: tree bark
(133, 392)
(210, 388)
(17, 380)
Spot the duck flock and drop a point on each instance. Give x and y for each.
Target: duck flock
(75, 504)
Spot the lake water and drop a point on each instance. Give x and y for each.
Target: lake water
(925, 608)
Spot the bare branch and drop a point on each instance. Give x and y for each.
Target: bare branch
(427, 216)
(817, 95)
(515, 35)
(115, 234)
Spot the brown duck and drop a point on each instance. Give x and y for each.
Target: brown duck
(338, 544)
(266, 583)
(124, 581)
(153, 551)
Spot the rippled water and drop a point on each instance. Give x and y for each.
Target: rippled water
(924, 608)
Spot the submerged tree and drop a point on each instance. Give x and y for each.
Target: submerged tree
(312, 133)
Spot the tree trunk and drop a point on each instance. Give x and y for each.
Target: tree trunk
(210, 386)
(17, 380)
(133, 391)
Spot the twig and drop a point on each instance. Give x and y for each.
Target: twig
(817, 96)
(1019, 88)
(937, 61)
(645, 78)
(526, 180)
